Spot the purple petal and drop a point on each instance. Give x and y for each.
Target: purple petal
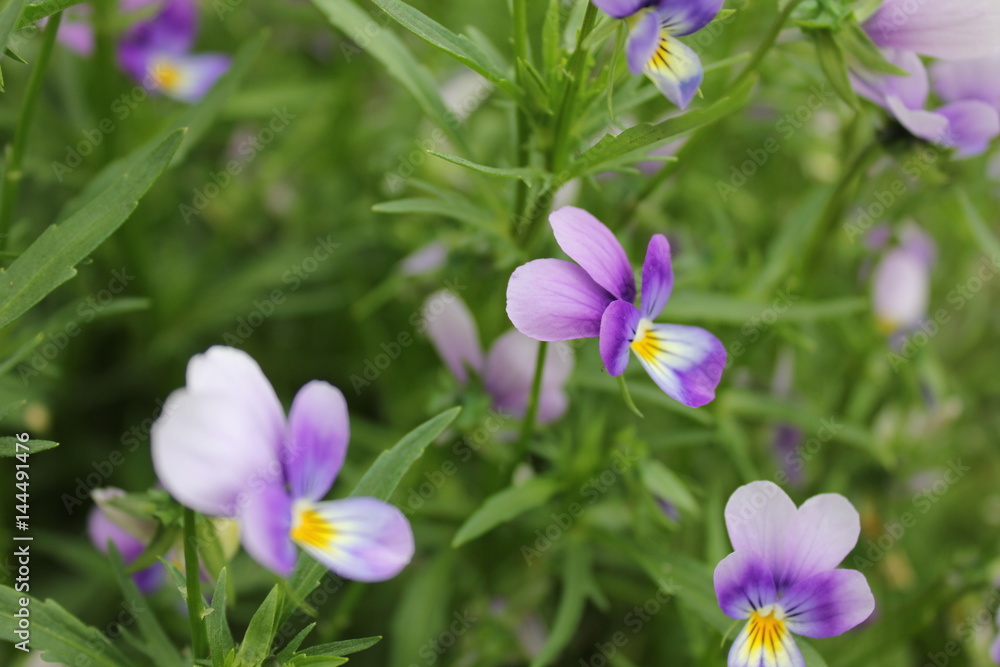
(754, 647)
(266, 523)
(758, 516)
(186, 78)
(363, 539)
(453, 333)
(949, 29)
(171, 32)
(425, 259)
(918, 243)
(643, 40)
(743, 584)
(141, 529)
(995, 650)
(619, 9)
(686, 362)
(928, 125)
(318, 431)
(683, 17)
(509, 372)
(552, 299)
(77, 37)
(824, 530)
(969, 80)
(912, 90)
(900, 290)
(102, 530)
(828, 604)
(972, 125)
(592, 245)
(657, 277)
(670, 64)
(618, 329)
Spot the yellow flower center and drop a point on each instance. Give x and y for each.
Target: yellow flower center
(311, 528)
(767, 631)
(166, 76)
(646, 343)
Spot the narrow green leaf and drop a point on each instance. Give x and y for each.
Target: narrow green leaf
(57, 634)
(831, 59)
(526, 174)
(9, 447)
(858, 47)
(256, 643)
(664, 483)
(9, 18)
(439, 207)
(344, 647)
(813, 659)
(987, 238)
(315, 661)
(51, 259)
(220, 639)
(506, 505)
(571, 606)
(293, 644)
(40, 10)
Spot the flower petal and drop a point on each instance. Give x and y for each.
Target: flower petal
(169, 33)
(363, 539)
(686, 362)
(591, 244)
(552, 299)
(657, 276)
(824, 530)
(948, 29)
(927, 125)
(900, 290)
(453, 333)
(828, 604)
(318, 432)
(972, 125)
(673, 66)
(683, 17)
(912, 90)
(619, 9)
(995, 651)
(969, 80)
(77, 37)
(743, 584)
(618, 328)
(186, 78)
(266, 521)
(510, 369)
(758, 516)
(207, 451)
(765, 643)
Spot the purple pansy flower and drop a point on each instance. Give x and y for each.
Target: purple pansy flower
(948, 29)
(223, 447)
(653, 48)
(508, 368)
(129, 534)
(555, 300)
(901, 282)
(782, 576)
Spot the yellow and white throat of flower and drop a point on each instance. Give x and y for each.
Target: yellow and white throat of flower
(309, 528)
(165, 75)
(648, 344)
(766, 633)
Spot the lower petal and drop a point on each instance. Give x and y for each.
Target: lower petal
(972, 125)
(265, 520)
(765, 642)
(672, 65)
(186, 78)
(828, 604)
(927, 125)
(618, 330)
(552, 299)
(686, 362)
(363, 539)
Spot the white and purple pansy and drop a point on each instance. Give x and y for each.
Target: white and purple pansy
(556, 300)
(653, 48)
(223, 447)
(946, 29)
(782, 577)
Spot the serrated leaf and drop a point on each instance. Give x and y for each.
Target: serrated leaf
(9, 448)
(51, 259)
(220, 638)
(57, 634)
(506, 505)
(344, 647)
(256, 643)
(571, 605)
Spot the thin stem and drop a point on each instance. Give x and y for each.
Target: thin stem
(528, 424)
(15, 157)
(767, 44)
(564, 119)
(520, 20)
(199, 635)
(628, 397)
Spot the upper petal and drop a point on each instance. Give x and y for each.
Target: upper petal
(758, 517)
(949, 29)
(683, 17)
(686, 362)
(824, 530)
(363, 539)
(657, 276)
(974, 79)
(743, 584)
(591, 244)
(552, 299)
(618, 328)
(828, 604)
(510, 369)
(619, 9)
(265, 523)
(169, 33)
(318, 432)
(453, 333)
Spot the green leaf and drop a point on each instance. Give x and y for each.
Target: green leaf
(831, 59)
(506, 505)
(526, 174)
(156, 642)
(986, 238)
(220, 639)
(813, 659)
(571, 605)
(9, 447)
(315, 661)
(38, 11)
(293, 644)
(9, 18)
(456, 210)
(423, 609)
(859, 49)
(664, 483)
(701, 307)
(51, 259)
(57, 634)
(344, 647)
(256, 643)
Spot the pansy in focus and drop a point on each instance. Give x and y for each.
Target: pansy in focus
(223, 447)
(556, 300)
(653, 48)
(508, 369)
(782, 577)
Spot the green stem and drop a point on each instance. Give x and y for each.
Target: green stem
(628, 396)
(15, 158)
(767, 44)
(520, 20)
(564, 119)
(199, 635)
(528, 424)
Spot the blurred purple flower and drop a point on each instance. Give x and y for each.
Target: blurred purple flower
(129, 534)
(223, 447)
(554, 300)
(782, 575)
(901, 282)
(427, 258)
(948, 29)
(653, 48)
(508, 368)
(995, 649)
